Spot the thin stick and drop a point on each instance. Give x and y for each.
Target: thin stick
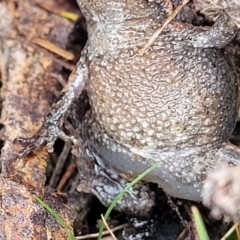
(182, 234)
(53, 48)
(60, 165)
(229, 232)
(108, 228)
(66, 176)
(70, 67)
(159, 30)
(238, 231)
(106, 232)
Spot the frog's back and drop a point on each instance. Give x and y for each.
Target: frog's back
(174, 95)
(175, 104)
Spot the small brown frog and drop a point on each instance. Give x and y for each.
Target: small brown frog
(176, 104)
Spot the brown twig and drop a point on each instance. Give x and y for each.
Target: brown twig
(106, 232)
(238, 230)
(60, 164)
(53, 56)
(66, 176)
(159, 30)
(230, 231)
(53, 48)
(181, 236)
(108, 228)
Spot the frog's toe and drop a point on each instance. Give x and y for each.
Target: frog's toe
(97, 177)
(229, 154)
(47, 135)
(138, 200)
(138, 229)
(219, 35)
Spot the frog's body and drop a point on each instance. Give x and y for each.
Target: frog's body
(176, 104)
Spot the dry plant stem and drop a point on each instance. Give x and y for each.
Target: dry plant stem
(108, 228)
(230, 231)
(182, 234)
(175, 208)
(60, 10)
(106, 232)
(61, 62)
(60, 164)
(167, 21)
(66, 176)
(49, 7)
(53, 48)
(238, 231)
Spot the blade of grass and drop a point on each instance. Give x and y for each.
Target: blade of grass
(57, 217)
(121, 194)
(200, 226)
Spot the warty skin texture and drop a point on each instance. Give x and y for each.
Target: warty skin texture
(176, 104)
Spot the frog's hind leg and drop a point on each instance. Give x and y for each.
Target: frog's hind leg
(51, 128)
(106, 184)
(218, 36)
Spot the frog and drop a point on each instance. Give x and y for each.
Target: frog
(176, 104)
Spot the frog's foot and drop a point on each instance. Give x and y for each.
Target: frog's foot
(221, 190)
(47, 135)
(138, 200)
(219, 35)
(138, 229)
(51, 128)
(106, 184)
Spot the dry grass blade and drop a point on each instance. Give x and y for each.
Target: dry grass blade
(66, 176)
(159, 30)
(53, 8)
(238, 231)
(60, 164)
(106, 232)
(182, 234)
(108, 228)
(53, 48)
(230, 231)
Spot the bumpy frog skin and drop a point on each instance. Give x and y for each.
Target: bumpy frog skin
(176, 104)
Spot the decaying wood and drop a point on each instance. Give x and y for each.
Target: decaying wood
(29, 81)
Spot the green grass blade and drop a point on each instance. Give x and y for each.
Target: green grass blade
(200, 226)
(57, 217)
(121, 194)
